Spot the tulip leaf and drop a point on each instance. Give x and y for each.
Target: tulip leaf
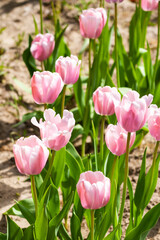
(63, 234)
(58, 166)
(21, 208)
(148, 221)
(77, 130)
(111, 236)
(56, 221)
(131, 197)
(71, 149)
(3, 236)
(79, 96)
(13, 230)
(41, 225)
(28, 233)
(75, 227)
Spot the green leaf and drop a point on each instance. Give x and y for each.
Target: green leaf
(75, 227)
(71, 149)
(112, 234)
(53, 204)
(22, 85)
(41, 225)
(28, 116)
(35, 26)
(131, 197)
(28, 233)
(21, 208)
(77, 130)
(58, 166)
(13, 230)
(3, 236)
(148, 221)
(79, 96)
(63, 233)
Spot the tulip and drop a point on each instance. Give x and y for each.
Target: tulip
(30, 155)
(132, 111)
(149, 5)
(42, 46)
(92, 22)
(154, 122)
(93, 189)
(116, 139)
(68, 68)
(55, 132)
(105, 99)
(46, 87)
(114, 1)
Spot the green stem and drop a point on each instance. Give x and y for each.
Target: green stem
(92, 224)
(34, 194)
(48, 174)
(87, 96)
(54, 14)
(154, 161)
(63, 100)
(116, 45)
(42, 66)
(101, 143)
(100, 4)
(45, 106)
(125, 179)
(41, 16)
(158, 46)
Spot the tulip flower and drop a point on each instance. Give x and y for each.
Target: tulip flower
(93, 189)
(114, 1)
(149, 5)
(46, 87)
(55, 132)
(68, 68)
(116, 139)
(30, 155)
(92, 22)
(105, 99)
(42, 46)
(132, 111)
(154, 122)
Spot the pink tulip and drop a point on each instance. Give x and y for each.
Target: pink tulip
(42, 46)
(55, 132)
(154, 122)
(116, 139)
(68, 68)
(30, 155)
(132, 111)
(105, 99)
(92, 22)
(149, 5)
(93, 189)
(46, 87)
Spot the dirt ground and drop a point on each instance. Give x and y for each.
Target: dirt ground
(16, 17)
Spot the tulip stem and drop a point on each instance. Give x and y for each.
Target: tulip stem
(54, 14)
(116, 45)
(41, 16)
(158, 45)
(92, 224)
(47, 175)
(125, 179)
(87, 96)
(101, 143)
(34, 194)
(42, 66)
(154, 162)
(63, 100)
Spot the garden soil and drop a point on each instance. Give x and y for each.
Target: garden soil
(16, 99)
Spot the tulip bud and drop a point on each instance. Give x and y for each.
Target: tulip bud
(132, 112)
(30, 155)
(116, 139)
(42, 46)
(105, 100)
(92, 22)
(93, 189)
(68, 68)
(46, 87)
(55, 132)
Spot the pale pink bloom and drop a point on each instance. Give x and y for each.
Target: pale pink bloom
(46, 87)
(116, 139)
(132, 112)
(92, 22)
(42, 46)
(93, 189)
(149, 5)
(68, 68)
(30, 155)
(154, 121)
(105, 99)
(55, 132)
